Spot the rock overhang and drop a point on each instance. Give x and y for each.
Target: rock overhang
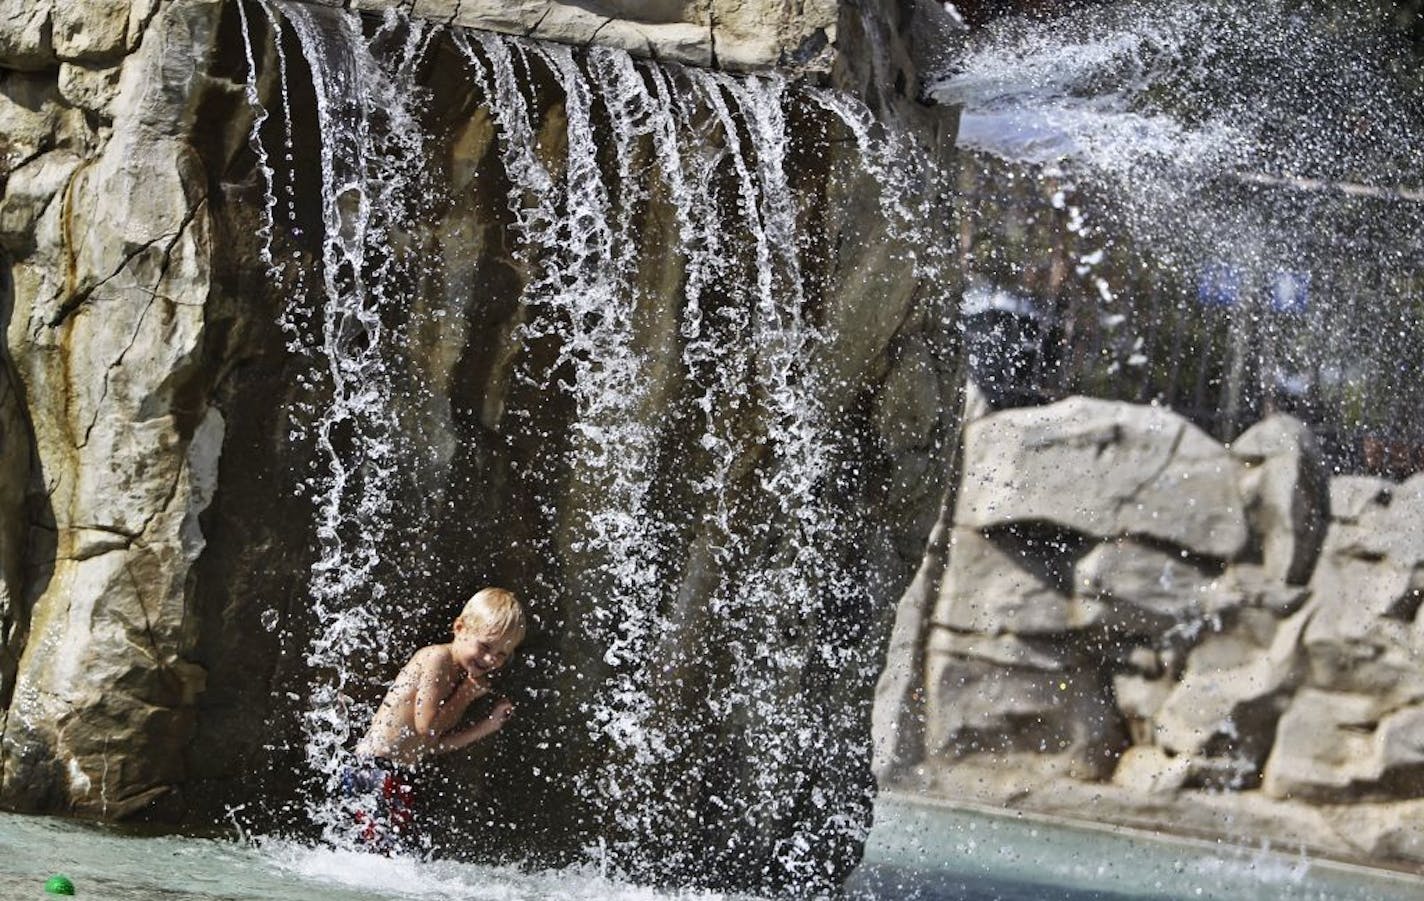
(733, 35)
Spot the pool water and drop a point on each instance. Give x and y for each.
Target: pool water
(937, 852)
(916, 851)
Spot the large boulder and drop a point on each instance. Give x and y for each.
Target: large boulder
(1003, 696)
(1221, 716)
(1140, 588)
(1105, 469)
(1001, 583)
(1367, 636)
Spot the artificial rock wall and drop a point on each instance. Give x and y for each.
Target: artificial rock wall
(1140, 625)
(155, 541)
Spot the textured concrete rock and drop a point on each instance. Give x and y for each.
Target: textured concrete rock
(1105, 469)
(1008, 696)
(1339, 747)
(724, 33)
(90, 32)
(1352, 496)
(1286, 657)
(995, 585)
(1369, 585)
(1382, 831)
(93, 89)
(110, 281)
(1142, 588)
(1250, 585)
(1284, 487)
(1151, 771)
(1221, 717)
(26, 33)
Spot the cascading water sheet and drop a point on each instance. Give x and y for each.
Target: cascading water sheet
(768, 462)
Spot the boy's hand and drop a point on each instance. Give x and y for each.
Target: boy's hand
(502, 712)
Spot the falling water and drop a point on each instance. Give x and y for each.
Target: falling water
(370, 153)
(639, 140)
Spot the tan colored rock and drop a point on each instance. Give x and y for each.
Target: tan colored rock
(106, 333)
(1382, 831)
(26, 30)
(1140, 698)
(1143, 589)
(1250, 585)
(93, 89)
(1104, 469)
(994, 586)
(1389, 524)
(31, 190)
(1151, 771)
(1222, 715)
(1352, 496)
(1285, 490)
(1005, 696)
(1005, 650)
(1337, 747)
(728, 34)
(1363, 637)
(91, 32)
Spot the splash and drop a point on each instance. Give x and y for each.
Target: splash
(1238, 198)
(1180, 110)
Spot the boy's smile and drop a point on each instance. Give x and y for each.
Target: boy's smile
(480, 654)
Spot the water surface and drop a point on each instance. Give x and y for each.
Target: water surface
(929, 852)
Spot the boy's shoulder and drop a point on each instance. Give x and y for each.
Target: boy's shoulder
(432, 653)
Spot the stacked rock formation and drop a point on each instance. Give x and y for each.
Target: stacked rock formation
(1209, 638)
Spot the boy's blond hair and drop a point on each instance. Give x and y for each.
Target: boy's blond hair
(494, 611)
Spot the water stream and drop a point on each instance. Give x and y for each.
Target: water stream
(1239, 193)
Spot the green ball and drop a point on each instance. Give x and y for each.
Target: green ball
(59, 884)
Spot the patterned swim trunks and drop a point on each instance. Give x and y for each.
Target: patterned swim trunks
(381, 799)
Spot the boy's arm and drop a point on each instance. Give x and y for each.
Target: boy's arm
(438, 704)
(430, 713)
(455, 739)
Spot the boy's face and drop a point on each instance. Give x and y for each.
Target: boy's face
(479, 652)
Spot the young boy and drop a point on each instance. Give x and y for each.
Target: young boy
(421, 716)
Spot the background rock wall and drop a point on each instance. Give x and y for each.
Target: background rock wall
(1143, 624)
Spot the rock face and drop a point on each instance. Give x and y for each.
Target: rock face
(1160, 477)
(259, 367)
(720, 33)
(1170, 630)
(113, 442)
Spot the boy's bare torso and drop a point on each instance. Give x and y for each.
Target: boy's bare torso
(394, 734)
(422, 712)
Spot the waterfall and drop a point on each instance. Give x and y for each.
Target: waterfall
(705, 692)
(370, 153)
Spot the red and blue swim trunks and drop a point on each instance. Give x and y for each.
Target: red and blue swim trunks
(381, 799)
